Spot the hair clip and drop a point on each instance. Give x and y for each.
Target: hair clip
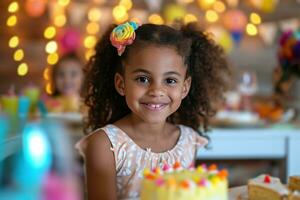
(123, 35)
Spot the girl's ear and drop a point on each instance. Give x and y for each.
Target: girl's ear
(186, 87)
(120, 84)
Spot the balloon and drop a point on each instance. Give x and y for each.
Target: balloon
(35, 8)
(222, 37)
(296, 50)
(69, 40)
(237, 36)
(289, 52)
(235, 20)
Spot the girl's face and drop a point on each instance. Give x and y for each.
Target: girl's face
(154, 82)
(68, 77)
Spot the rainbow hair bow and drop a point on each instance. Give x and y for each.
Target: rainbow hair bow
(123, 35)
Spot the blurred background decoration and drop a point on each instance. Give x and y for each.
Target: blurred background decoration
(289, 61)
(36, 33)
(38, 162)
(260, 39)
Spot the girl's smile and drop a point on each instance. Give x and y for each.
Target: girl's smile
(154, 106)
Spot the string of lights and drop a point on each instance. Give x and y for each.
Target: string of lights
(14, 41)
(58, 20)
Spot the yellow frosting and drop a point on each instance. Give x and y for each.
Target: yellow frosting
(180, 184)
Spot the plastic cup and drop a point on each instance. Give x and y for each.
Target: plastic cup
(24, 106)
(33, 93)
(10, 104)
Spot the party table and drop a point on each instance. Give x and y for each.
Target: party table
(238, 193)
(254, 143)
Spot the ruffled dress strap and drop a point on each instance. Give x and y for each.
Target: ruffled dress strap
(193, 137)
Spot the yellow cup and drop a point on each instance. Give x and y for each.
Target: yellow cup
(10, 104)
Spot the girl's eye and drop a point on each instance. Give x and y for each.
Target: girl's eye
(171, 81)
(142, 79)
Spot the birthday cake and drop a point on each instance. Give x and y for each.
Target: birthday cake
(176, 183)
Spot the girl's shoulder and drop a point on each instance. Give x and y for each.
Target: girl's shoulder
(192, 136)
(104, 137)
(93, 139)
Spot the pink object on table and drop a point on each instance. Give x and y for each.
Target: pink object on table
(57, 188)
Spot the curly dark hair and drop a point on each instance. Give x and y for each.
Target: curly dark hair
(206, 65)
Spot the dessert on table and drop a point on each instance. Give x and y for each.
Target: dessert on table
(176, 183)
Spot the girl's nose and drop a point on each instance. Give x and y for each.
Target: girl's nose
(156, 90)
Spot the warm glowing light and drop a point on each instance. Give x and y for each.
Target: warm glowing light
(188, 1)
(50, 32)
(232, 3)
(13, 7)
(13, 42)
(123, 19)
(156, 19)
(120, 13)
(89, 41)
(12, 20)
(51, 47)
(92, 28)
(89, 54)
(206, 4)
(49, 88)
(126, 3)
(59, 10)
(251, 29)
(99, 1)
(188, 18)
(60, 20)
(63, 2)
(52, 59)
(255, 18)
(18, 55)
(211, 16)
(46, 74)
(22, 69)
(94, 14)
(219, 6)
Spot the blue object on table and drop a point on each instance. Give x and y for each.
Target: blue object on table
(42, 108)
(23, 106)
(4, 124)
(42, 167)
(3, 135)
(35, 158)
(28, 166)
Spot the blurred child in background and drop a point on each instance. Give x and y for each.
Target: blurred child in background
(67, 78)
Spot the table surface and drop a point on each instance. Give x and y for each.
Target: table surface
(238, 192)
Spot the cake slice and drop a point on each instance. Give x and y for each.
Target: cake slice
(295, 196)
(265, 187)
(294, 183)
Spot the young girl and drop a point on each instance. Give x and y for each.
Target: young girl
(149, 90)
(67, 80)
(67, 75)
